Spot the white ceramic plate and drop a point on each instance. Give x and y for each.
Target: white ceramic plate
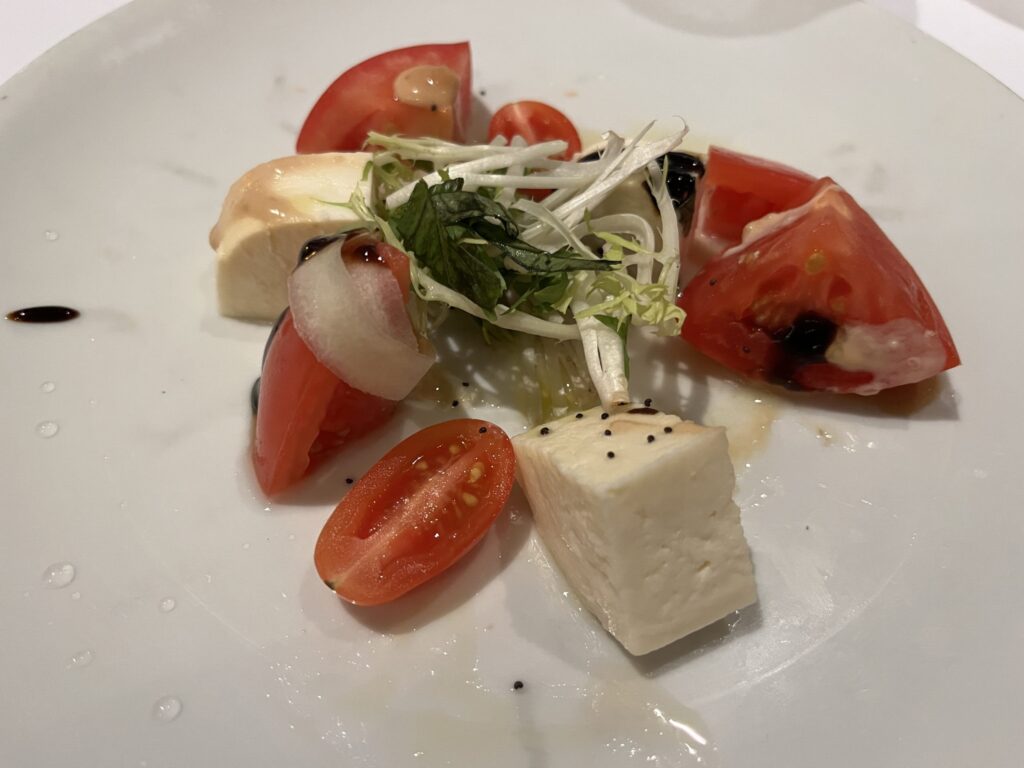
(194, 631)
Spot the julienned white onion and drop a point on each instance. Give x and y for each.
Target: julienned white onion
(355, 323)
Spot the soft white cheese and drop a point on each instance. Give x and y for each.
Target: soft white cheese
(267, 216)
(650, 538)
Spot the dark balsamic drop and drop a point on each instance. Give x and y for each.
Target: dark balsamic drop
(254, 393)
(273, 333)
(254, 397)
(311, 247)
(368, 252)
(43, 314)
(645, 409)
(803, 342)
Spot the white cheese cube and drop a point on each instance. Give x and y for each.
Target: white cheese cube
(645, 530)
(267, 216)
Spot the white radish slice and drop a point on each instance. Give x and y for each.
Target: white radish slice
(354, 321)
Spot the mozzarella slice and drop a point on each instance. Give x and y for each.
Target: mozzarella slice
(645, 530)
(267, 216)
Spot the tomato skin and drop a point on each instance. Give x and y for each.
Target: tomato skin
(536, 122)
(306, 412)
(362, 99)
(737, 189)
(777, 307)
(419, 509)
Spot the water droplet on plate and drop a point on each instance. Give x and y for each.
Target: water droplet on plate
(51, 235)
(166, 709)
(47, 386)
(76, 595)
(47, 428)
(168, 604)
(58, 575)
(83, 659)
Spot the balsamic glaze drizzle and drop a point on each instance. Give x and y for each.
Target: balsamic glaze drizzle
(43, 314)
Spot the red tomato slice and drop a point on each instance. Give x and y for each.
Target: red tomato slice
(535, 122)
(817, 297)
(305, 411)
(737, 189)
(417, 511)
(363, 99)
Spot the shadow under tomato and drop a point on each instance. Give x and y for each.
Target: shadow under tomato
(439, 596)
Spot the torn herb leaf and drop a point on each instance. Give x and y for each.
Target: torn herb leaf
(470, 243)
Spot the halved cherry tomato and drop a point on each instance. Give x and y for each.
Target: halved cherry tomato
(817, 297)
(305, 412)
(363, 99)
(737, 189)
(417, 511)
(535, 122)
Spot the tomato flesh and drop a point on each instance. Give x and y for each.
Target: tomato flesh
(536, 122)
(419, 509)
(362, 99)
(305, 412)
(735, 190)
(817, 297)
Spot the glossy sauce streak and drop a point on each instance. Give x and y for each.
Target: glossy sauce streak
(804, 342)
(427, 86)
(310, 249)
(43, 314)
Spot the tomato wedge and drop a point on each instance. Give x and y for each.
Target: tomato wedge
(535, 122)
(417, 511)
(305, 412)
(435, 101)
(735, 190)
(817, 297)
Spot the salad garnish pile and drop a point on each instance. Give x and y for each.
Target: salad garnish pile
(398, 219)
(546, 267)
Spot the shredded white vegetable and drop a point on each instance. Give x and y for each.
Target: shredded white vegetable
(641, 289)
